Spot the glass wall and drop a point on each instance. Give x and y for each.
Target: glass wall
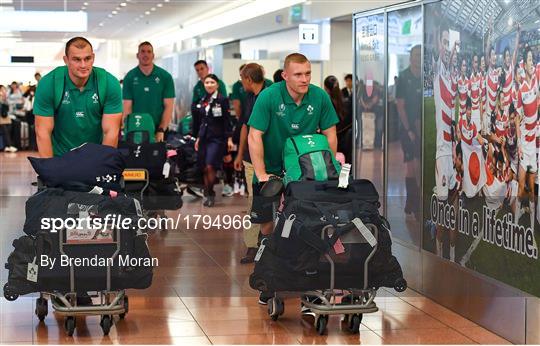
(370, 98)
(404, 109)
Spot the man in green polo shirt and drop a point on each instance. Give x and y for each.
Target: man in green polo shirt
(238, 94)
(285, 109)
(201, 67)
(149, 89)
(83, 112)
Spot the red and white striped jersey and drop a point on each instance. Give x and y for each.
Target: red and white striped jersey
(463, 92)
(468, 131)
(528, 102)
(475, 90)
(507, 88)
(444, 97)
(492, 84)
(501, 124)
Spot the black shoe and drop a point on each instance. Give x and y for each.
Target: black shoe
(210, 201)
(250, 256)
(84, 300)
(264, 297)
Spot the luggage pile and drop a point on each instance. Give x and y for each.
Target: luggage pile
(329, 240)
(161, 189)
(66, 253)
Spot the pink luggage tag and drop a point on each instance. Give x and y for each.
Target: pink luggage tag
(113, 194)
(338, 247)
(171, 153)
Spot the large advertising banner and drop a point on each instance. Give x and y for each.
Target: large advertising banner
(482, 138)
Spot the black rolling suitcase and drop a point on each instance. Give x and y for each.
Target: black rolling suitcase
(188, 169)
(320, 221)
(20, 134)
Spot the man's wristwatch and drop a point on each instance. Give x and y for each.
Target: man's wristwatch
(160, 130)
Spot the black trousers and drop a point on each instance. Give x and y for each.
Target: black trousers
(6, 132)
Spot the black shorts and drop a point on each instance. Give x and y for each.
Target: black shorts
(263, 208)
(410, 148)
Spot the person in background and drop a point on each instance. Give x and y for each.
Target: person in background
(347, 91)
(199, 91)
(343, 128)
(15, 99)
(80, 117)
(238, 96)
(149, 89)
(278, 76)
(37, 76)
(212, 127)
(253, 82)
(5, 121)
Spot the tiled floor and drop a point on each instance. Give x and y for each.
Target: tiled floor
(201, 295)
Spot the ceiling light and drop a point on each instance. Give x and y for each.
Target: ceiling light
(110, 15)
(57, 21)
(83, 8)
(147, 13)
(123, 4)
(101, 24)
(114, 12)
(160, 5)
(85, 4)
(153, 9)
(166, 0)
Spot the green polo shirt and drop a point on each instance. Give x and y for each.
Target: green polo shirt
(147, 92)
(199, 91)
(277, 115)
(78, 119)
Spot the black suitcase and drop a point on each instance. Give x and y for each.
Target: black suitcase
(150, 156)
(20, 134)
(188, 169)
(317, 221)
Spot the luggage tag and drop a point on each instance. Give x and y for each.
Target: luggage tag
(166, 169)
(287, 226)
(338, 247)
(365, 232)
(32, 271)
(259, 252)
(96, 190)
(344, 176)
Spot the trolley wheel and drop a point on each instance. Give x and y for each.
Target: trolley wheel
(9, 294)
(276, 308)
(42, 308)
(126, 308)
(354, 323)
(106, 324)
(69, 324)
(400, 285)
(321, 323)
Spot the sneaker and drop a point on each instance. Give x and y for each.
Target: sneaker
(195, 191)
(250, 256)
(227, 190)
(14, 150)
(242, 190)
(209, 201)
(264, 297)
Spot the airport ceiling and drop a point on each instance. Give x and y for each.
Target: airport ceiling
(131, 18)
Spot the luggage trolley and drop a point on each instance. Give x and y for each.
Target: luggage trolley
(355, 301)
(112, 302)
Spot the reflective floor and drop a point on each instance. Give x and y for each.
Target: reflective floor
(200, 293)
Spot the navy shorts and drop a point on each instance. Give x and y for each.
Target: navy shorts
(211, 153)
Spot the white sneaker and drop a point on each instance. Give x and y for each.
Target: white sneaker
(242, 190)
(10, 149)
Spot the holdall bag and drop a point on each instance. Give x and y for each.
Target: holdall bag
(91, 164)
(188, 169)
(159, 195)
(309, 157)
(139, 128)
(60, 203)
(150, 156)
(293, 257)
(82, 243)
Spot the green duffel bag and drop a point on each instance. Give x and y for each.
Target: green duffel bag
(139, 128)
(185, 125)
(309, 157)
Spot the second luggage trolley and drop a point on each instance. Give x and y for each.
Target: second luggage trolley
(112, 302)
(354, 302)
